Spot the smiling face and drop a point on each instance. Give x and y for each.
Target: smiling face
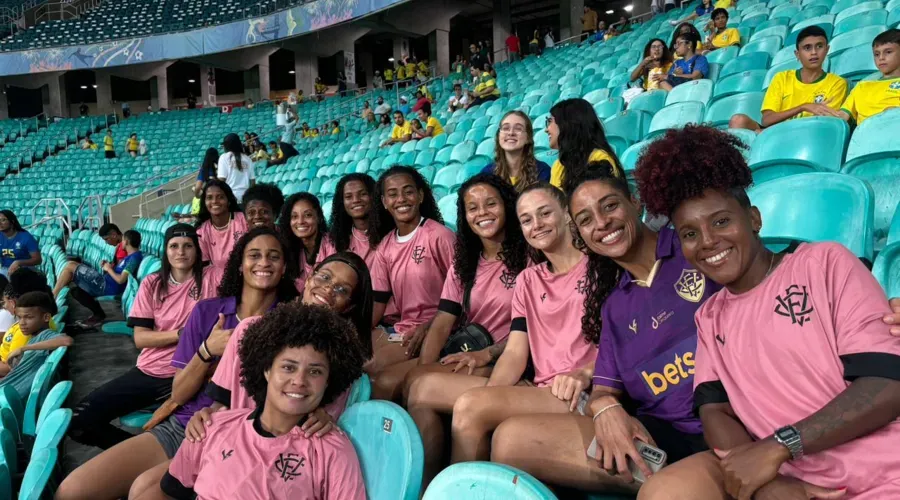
(402, 198)
(304, 220)
(263, 264)
(259, 213)
(182, 253)
(297, 380)
(357, 200)
(543, 220)
(331, 286)
(717, 235)
(812, 51)
(216, 201)
(607, 219)
(513, 133)
(485, 211)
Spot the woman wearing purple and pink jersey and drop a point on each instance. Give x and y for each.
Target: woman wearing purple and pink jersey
(797, 377)
(303, 225)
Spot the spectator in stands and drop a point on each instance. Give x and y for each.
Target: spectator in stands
(257, 277)
(132, 145)
(158, 316)
(389, 77)
(432, 125)
(247, 143)
(308, 340)
(623, 26)
(871, 97)
(18, 248)
(88, 143)
(600, 34)
(83, 109)
(382, 108)
(400, 71)
(687, 66)
(207, 171)
(588, 22)
(220, 222)
(490, 252)
(404, 105)
(459, 70)
(513, 47)
(514, 159)
(402, 131)
(262, 204)
(420, 100)
(575, 131)
(249, 103)
(423, 71)
(817, 303)
(809, 91)
(304, 226)
(685, 28)
(546, 315)
(305, 131)
(112, 235)
(476, 60)
(235, 168)
(411, 66)
(335, 127)
(534, 45)
(415, 128)
(290, 127)
(320, 89)
(126, 110)
(7, 317)
(109, 146)
(25, 281)
(377, 80)
(704, 9)
(385, 121)
(34, 311)
(258, 152)
(414, 252)
(548, 39)
(276, 157)
(485, 90)
(720, 35)
(655, 66)
(191, 101)
(459, 99)
(142, 148)
(352, 216)
(342, 83)
(367, 113)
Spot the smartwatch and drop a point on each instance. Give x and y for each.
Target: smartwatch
(789, 437)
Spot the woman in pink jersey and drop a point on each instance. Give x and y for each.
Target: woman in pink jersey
(220, 222)
(490, 252)
(160, 311)
(352, 216)
(294, 359)
(797, 377)
(547, 306)
(262, 203)
(415, 251)
(303, 224)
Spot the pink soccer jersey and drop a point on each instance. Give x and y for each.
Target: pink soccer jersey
(170, 313)
(548, 307)
(240, 459)
(783, 350)
(490, 300)
(326, 249)
(225, 386)
(359, 244)
(216, 245)
(413, 272)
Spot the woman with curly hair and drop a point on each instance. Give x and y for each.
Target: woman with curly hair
(220, 222)
(796, 379)
(262, 204)
(258, 276)
(655, 65)
(352, 216)
(514, 153)
(415, 251)
(575, 130)
(295, 359)
(546, 313)
(303, 224)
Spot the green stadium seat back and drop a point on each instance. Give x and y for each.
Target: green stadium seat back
(360, 391)
(448, 207)
(629, 125)
(887, 269)
(40, 469)
(746, 62)
(675, 116)
(53, 430)
(650, 101)
(745, 81)
(54, 401)
(696, 90)
(720, 112)
(486, 480)
(608, 108)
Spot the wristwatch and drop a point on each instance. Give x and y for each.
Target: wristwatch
(789, 436)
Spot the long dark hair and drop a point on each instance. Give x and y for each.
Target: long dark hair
(693, 29)
(232, 144)
(363, 296)
(514, 250)
(233, 279)
(210, 164)
(165, 272)
(528, 170)
(294, 243)
(602, 274)
(13, 221)
(341, 224)
(580, 133)
(666, 53)
(428, 209)
(204, 214)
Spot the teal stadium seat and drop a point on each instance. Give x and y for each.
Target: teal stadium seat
(854, 63)
(857, 37)
(861, 20)
(444, 179)
(53, 430)
(9, 398)
(389, 448)
(38, 473)
(675, 116)
(820, 206)
(609, 107)
(650, 101)
(447, 206)
(486, 480)
(626, 128)
(745, 81)
(696, 90)
(747, 62)
(722, 56)
(8, 464)
(765, 44)
(54, 401)
(826, 22)
(887, 269)
(798, 146)
(720, 112)
(360, 391)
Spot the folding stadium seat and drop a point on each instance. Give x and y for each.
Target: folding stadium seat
(38, 473)
(609, 107)
(651, 101)
(894, 17)
(805, 207)
(797, 146)
(854, 63)
(747, 62)
(626, 128)
(861, 20)
(486, 480)
(854, 38)
(783, 11)
(408, 146)
(696, 90)
(887, 270)
(630, 157)
(808, 13)
(746, 81)
(720, 112)
(675, 116)
(770, 44)
(444, 179)
(826, 22)
(448, 208)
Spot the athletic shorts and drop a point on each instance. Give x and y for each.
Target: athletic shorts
(90, 280)
(675, 443)
(170, 434)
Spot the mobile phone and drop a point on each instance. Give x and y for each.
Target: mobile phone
(653, 457)
(395, 337)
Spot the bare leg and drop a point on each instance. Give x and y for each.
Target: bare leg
(65, 277)
(387, 384)
(479, 411)
(385, 353)
(146, 486)
(553, 449)
(697, 477)
(110, 474)
(744, 121)
(420, 370)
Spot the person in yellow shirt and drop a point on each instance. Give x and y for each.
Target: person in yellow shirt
(133, 145)
(575, 131)
(402, 132)
(109, 146)
(320, 89)
(411, 68)
(305, 131)
(655, 65)
(388, 77)
(34, 311)
(335, 128)
(258, 152)
(721, 35)
(432, 127)
(485, 90)
(808, 91)
(401, 73)
(871, 97)
(682, 29)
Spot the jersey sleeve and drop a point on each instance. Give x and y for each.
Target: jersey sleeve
(381, 282)
(343, 480)
(179, 480)
(452, 294)
(192, 336)
(702, 65)
(606, 372)
(773, 99)
(131, 266)
(144, 304)
(222, 168)
(708, 388)
(31, 244)
(837, 93)
(849, 105)
(864, 341)
(518, 308)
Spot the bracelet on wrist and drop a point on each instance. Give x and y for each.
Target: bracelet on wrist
(204, 354)
(607, 407)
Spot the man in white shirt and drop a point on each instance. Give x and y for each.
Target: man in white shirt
(382, 108)
(459, 98)
(377, 81)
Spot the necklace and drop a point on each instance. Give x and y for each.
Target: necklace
(221, 228)
(173, 282)
(771, 262)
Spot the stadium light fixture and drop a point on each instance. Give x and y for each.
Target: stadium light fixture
(292, 72)
(390, 59)
(191, 81)
(95, 85)
(84, 87)
(610, 11)
(628, 8)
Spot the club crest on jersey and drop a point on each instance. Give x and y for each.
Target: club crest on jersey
(819, 99)
(508, 279)
(794, 304)
(194, 293)
(895, 85)
(633, 326)
(288, 465)
(418, 254)
(581, 286)
(691, 285)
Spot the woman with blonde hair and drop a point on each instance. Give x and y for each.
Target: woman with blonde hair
(514, 153)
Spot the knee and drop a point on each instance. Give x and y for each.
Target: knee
(414, 384)
(72, 488)
(468, 409)
(504, 441)
(143, 483)
(742, 121)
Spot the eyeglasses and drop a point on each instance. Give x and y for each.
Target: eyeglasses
(323, 279)
(512, 129)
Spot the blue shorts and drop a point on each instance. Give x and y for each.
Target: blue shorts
(90, 280)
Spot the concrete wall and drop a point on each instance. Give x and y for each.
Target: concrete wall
(126, 213)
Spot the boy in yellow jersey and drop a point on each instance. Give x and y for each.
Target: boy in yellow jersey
(871, 97)
(109, 146)
(411, 68)
(721, 36)
(485, 90)
(432, 126)
(808, 91)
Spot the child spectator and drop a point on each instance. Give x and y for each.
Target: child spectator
(655, 66)
(485, 90)
(433, 126)
(385, 121)
(133, 145)
(871, 97)
(25, 281)
(809, 91)
(276, 157)
(459, 99)
(402, 131)
(415, 128)
(720, 35)
(18, 248)
(688, 66)
(335, 128)
(90, 284)
(109, 146)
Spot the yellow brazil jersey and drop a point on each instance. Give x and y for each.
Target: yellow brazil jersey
(401, 131)
(723, 4)
(388, 75)
(869, 98)
(730, 36)
(437, 129)
(557, 170)
(410, 69)
(335, 131)
(133, 144)
(487, 81)
(423, 68)
(787, 91)
(108, 144)
(401, 73)
(314, 133)
(14, 339)
(649, 83)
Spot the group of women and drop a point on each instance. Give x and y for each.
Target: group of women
(553, 318)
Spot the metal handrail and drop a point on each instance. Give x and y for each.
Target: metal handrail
(91, 201)
(51, 212)
(66, 227)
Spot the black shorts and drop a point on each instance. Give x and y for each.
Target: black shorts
(110, 154)
(675, 443)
